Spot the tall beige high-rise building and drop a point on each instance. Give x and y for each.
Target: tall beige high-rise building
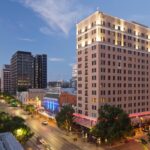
(113, 64)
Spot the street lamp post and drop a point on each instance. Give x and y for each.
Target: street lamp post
(85, 137)
(106, 140)
(98, 141)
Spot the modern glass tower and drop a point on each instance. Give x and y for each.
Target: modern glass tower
(40, 71)
(22, 71)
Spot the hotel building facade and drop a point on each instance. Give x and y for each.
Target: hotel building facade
(113, 63)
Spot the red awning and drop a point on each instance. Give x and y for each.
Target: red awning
(85, 117)
(139, 114)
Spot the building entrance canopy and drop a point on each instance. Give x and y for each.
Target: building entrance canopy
(85, 121)
(90, 122)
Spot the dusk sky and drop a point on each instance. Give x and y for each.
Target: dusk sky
(48, 26)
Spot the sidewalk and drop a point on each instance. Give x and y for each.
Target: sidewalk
(80, 142)
(129, 146)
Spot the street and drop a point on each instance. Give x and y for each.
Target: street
(55, 138)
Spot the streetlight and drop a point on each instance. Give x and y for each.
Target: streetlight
(82, 134)
(86, 136)
(98, 141)
(70, 128)
(19, 132)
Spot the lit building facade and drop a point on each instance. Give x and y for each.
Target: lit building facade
(40, 71)
(113, 63)
(6, 79)
(51, 104)
(22, 71)
(32, 96)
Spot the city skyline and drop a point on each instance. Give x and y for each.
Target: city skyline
(74, 75)
(38, 29)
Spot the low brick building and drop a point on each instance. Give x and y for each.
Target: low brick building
(67, 98)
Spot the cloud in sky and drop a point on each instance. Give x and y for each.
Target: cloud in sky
(58, 14)
(55, 59)
(46, 30)
(26, 39)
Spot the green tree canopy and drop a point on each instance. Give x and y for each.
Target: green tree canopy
(30, 108)
(65, 117)
(113, 124)
(16, 126)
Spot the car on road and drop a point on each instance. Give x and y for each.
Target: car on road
(41, 141)
(44, 123)
(48, 147)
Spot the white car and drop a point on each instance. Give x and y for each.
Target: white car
(49, 148)
(42, 141)
(44, 122)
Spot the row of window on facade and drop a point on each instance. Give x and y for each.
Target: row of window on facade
(123, 106)
(117, 78)
(138, 63)
(129, 111)
(124, 58)
(114, 27)
(118, 85)
(119, 71)
(114, 56)
(115, 92)
(94, 107)
(119, 43)
(120, 36)
(139, 99)
(124, 65)
(119, 92)
(121, 78)
(114, 49)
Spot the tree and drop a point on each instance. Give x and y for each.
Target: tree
(148, 136)
(65, 117)
(30, 108)
(18, 119)
(16, 126)
(113, 124)
(23, 133)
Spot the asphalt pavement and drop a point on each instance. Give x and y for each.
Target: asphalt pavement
(53, 136)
